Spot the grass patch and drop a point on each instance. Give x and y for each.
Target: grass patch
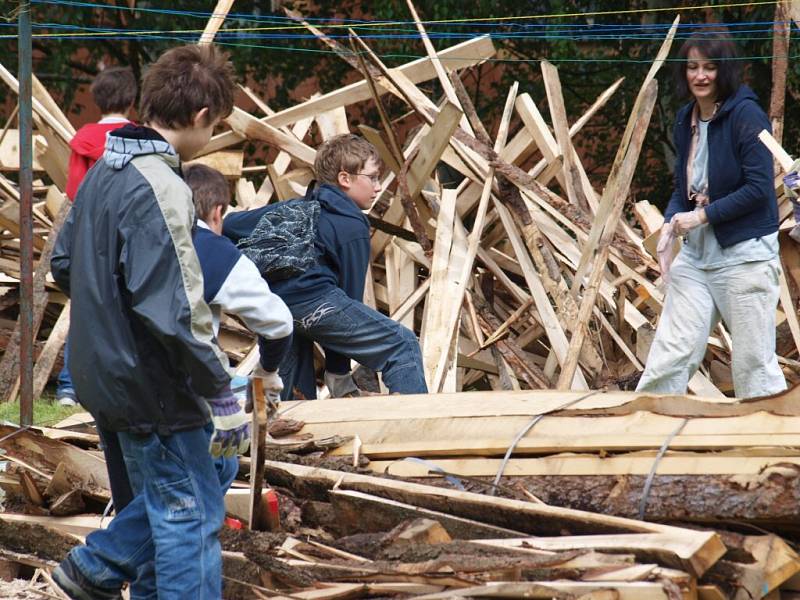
(46, 411)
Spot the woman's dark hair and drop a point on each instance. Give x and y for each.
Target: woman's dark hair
(716, 45)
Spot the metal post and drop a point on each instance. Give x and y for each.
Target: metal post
(25, 215)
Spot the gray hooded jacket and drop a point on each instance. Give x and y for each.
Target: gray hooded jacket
(142, 347)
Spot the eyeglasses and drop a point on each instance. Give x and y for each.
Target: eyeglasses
(375, 179)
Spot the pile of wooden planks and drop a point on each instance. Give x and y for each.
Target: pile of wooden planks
(525, 275)
(658, 457)
(377, 529)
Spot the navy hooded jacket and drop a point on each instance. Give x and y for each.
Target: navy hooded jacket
(741, 185)
(343, 251)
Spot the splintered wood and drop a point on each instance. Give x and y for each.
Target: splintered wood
(525, 275)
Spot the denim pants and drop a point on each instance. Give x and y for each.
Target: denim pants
(168, 533)
(745, 296)
(352, 329)
(64, 386)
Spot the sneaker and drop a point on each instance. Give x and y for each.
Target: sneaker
(72, 582)
(66, 401)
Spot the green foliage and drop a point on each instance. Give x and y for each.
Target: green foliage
(46, 412)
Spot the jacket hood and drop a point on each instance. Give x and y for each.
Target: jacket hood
(743, 93)
(128, 142)
(336, 201)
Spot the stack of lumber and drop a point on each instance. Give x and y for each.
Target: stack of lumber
(348, 532)
(525, 275)
(709, 460)
(350, 535)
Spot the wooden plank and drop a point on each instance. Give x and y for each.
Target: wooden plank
(591, 464)
(649, 217)
(549, 319)
(45, 454)
(668, 548)
(9, 152)
(52, 347)
(248, 126)
(617, 590)
(444, 80)
(227, 162)
(78, 525)
(446, 266)
(332, 122)
(536, 126)
(460, 56)
(607, 218)
(615, 192)
(695, 551)
(41, 93)
(53, 155)
(432, 146)
(215, 22)
(281, 162)
(571, 164)
(532, 402)
(475, 235)
(39, 108)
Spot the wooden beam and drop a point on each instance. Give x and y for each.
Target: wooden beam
(248, 126)
(460, 56)
(215, 22)
(475, 235)
(734, 462)
(614, 195)
(571, 164)
(609, 203)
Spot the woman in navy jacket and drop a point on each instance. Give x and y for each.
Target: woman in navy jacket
(724, 208)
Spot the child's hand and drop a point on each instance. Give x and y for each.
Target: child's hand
(231, 426)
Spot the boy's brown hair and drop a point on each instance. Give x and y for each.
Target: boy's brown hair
(346, 152)
(114, 90)
(184, 80)
(209, 189)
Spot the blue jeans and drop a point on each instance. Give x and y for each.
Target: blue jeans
(352, 329)
(169, 531)
(64, 386)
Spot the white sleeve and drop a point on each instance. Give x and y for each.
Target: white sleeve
(246, 294)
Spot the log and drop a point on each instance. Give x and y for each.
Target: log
(768, 499)
(32, 538)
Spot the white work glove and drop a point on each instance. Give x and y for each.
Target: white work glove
(683, 222)
(273, 386)
(664, 250)
(231, 426)
(341, 386)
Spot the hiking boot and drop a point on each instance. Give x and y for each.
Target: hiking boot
(73, 583)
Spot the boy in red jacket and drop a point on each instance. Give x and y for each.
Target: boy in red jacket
(114, 92)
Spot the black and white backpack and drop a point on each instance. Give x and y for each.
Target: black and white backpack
(282, 244)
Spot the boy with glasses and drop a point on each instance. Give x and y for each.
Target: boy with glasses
(326, 296)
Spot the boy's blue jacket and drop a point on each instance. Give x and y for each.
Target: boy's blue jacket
(741, 185)
(343, 252)
(342, 244)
